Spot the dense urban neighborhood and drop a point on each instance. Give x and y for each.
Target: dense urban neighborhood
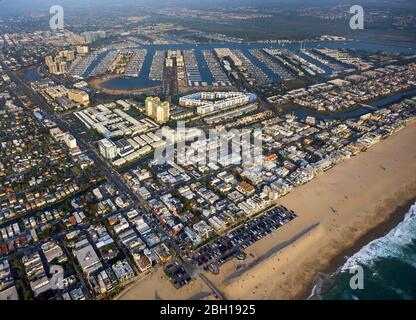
(124, 151)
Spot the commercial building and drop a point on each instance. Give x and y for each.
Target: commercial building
(112, 122)
(79, 96)
(70, 141)
(86, 256)
(56, 92)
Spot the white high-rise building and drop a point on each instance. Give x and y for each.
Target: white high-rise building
(82, 49)
(159, 111)
(70, 141)
(107, 148)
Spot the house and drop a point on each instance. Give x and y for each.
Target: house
(246, 188)
(143, 263)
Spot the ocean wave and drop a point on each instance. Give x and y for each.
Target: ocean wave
(322, 280)
(392, 245)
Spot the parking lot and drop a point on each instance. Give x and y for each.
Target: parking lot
(231, 244)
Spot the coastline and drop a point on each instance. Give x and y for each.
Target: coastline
(378, 231)
(338, 212)
(354, 203)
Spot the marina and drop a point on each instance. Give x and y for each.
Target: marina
(335, 68)
(273, 65)
(104, 64)
(268, 61)
(192, 71)
(135, 65)
(79, 68)
(229, 150)
(253, 74)
(157, 67)
(220, 77)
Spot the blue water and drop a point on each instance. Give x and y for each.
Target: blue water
(143, 79)
(203, 67)
(302, 113)
(94, 63)
(130, 83)
(389, 265)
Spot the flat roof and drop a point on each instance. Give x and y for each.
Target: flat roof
(9, 294)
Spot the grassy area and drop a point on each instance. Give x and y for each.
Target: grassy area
(134, 112)
(96, 135)
(296, 83)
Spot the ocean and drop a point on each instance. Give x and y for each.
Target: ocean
(389, 265)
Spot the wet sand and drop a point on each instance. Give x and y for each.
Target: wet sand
(379, 231)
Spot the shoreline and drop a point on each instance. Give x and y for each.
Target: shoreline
(355, 202)
(338, 213)
(377, 232)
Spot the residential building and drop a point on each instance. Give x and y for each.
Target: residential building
(107, 148)
(157, 110)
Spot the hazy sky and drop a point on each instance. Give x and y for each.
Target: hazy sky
(48, 3)
(26, 6)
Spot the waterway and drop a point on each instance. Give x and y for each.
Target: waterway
(302, 113)
(143, 80)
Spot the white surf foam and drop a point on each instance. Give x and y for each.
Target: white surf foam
(391, 245)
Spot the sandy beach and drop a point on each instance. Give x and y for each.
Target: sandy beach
(158, 287)
(338, 212)
(335, 210)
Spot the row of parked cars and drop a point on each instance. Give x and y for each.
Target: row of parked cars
(231, 244)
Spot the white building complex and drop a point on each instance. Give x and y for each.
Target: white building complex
(209, 102)
(113, 123)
